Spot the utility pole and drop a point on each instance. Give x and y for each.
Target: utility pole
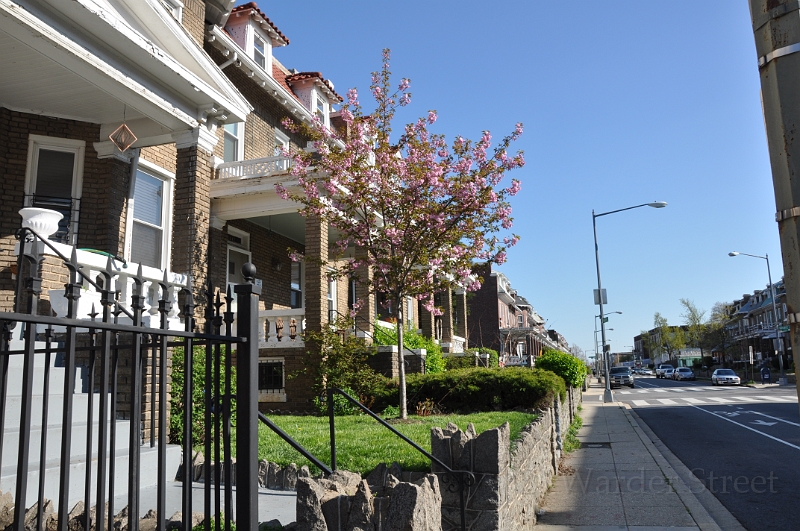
(776, 27)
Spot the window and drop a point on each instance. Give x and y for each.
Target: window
(410, 311)
(54, 180)
(259, 52)
(320, 108)
(150, 214)
(297, 285)
(331, 298)
(234, 144)
(175, 7)
(281, 145)
(238, 254)
(352, 284)
(521, 320)
(270, 375)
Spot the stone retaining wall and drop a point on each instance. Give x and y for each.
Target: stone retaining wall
(509, 483)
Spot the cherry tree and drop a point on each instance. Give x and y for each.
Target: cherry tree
(421, 210)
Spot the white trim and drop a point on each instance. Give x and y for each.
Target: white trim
(199, 136)
(239, 136)
(107, 150)
(168, 178)
(65, 145)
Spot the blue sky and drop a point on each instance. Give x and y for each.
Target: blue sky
(623, 103)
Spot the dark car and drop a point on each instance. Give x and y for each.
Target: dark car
(620, 376)
(683, 373)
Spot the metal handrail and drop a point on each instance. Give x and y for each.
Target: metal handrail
(294, 444)
(464, 478)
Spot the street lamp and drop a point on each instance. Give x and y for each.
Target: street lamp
(607, 396)
(782, 380)
(596, 330)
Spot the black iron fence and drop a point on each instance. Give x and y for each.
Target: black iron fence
(126, 374)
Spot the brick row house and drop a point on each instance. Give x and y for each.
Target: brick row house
(503, 320)
(200, 87)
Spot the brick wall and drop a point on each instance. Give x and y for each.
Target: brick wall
(259, 130)
(483, 322)
(194, 16)
(104, 193)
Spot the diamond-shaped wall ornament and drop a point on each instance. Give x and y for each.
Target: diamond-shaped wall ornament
(122, 137)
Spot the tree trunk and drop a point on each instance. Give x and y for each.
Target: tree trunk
(401, 364)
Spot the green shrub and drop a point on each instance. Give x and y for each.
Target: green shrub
(176, 415)
(434, 361)
(341, 405)
(467, 361)
(337, 361)
(570, 368)
(468, 390)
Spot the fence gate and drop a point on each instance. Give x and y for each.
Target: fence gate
(110, 437)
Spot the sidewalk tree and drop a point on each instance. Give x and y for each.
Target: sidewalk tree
(420, 210)
(670, 339)
(696, 327)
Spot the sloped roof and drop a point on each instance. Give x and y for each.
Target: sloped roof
(251, 8)
(327, 86)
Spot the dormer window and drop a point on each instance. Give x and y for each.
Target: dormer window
(259, 52)
(320, 110)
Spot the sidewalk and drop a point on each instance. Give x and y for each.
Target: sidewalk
(623, 477)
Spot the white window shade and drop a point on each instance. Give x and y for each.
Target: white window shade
(148, 220)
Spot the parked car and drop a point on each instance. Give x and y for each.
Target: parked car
(661, 368)
(667, 371)
(645, 372)
(724, 377)
(683, 373)
(620, 376)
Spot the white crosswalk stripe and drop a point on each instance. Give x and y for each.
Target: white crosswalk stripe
(713, 400)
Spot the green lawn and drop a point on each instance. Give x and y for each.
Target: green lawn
(362, 443)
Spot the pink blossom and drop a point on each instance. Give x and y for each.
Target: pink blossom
(431, 117)
(404, 84)
(295, 256)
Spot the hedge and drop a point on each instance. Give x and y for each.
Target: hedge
(478, 389)
(570, 368)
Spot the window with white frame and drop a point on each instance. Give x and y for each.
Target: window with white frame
(296, 285)
(281, 146)
(234, 142)
(260, 51)
(331, 298)
(175, 7)
(238, 254)
(410, 311)
(150, 215)
(54, 180)
(321, 108)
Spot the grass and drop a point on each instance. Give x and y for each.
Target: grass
(362, 443)
(571, 442)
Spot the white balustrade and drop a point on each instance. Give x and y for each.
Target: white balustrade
(281, 328)
(244, 169)
(94, 265)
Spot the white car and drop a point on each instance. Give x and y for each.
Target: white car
(725, 377)
(666, 372)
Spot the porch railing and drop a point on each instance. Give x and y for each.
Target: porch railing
(123, 360)
(281, 328)
(243, 169)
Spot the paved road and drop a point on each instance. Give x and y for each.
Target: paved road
(742, 443)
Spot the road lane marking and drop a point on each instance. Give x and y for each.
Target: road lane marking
(720, 400)
(695, 400)
(778, 398)
(748, 428)
(660, 390)
(667, 401)
(640, 403)
(624, 392)
(775, 418)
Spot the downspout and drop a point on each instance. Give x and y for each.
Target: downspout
(229, 62)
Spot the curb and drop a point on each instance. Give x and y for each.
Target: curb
(700, 503)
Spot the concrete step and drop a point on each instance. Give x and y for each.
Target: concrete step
(148, 474)
(80, 432)
(55, 409)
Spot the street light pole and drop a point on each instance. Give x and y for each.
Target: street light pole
(782, 380)
(607, 396)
